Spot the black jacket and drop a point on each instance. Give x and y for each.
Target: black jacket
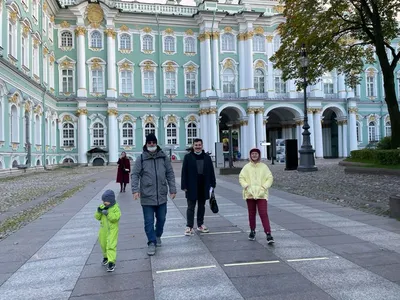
(189, 176)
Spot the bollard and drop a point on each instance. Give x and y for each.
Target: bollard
(394, 206)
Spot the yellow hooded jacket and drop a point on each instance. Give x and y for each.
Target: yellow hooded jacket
(256, 179)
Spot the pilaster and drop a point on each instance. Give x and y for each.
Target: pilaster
(112, 130)
(352, 113)
(80, 33)
(82, 113)
(111, 64)
(319, 152)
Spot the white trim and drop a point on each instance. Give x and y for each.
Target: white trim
(142, 35)
(122, 119)
(102, 66)
(143, 65)
(189, 120)
(237, 107)
(339, 111)
(264, 45)
(292, 108)
(375, 83)
(90, 32)
(235, 74)
(59, 33)
(125, 51)
(72, 65)
(130, 69)
(170, 64)
(174, 44)
(234, 37)
(64, 157)
(195, 45)
(196, 72)
(97, 119)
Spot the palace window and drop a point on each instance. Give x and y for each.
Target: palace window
(371, 83)
(127, 134)
(96, 40)
(45, 68)
(35, 60)
(259, 81)
(258, 43)
(228, 42)
(68, 135)
(12, 35)
(97, 81)
(328, 86)
(190, 45)
(228, 82)
(66, 39)
(35, 10)
(388, 129)
(372, 132)
(53, 133)
(126, 78)
(98, 134)
(191, 133)
(171, 134)
(169, 44)
(190, 83)
(125, 42)
(24, 51)
(148, 82)
(38, 132)
(149, 128)
(67, 79)
(280, 85)
(358, 126)
(14, 125)
(147, 43)
(170, 83)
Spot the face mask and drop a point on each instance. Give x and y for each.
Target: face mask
(152, 149)
(198, 153)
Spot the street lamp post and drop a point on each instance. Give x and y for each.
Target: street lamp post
(307, 160)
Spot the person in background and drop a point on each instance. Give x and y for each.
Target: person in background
(255, 179)
(108, 214)
(197, 179)
(124, 168)
(152, 174)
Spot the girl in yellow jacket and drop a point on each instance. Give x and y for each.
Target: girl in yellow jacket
(256, 179)
(108, 214)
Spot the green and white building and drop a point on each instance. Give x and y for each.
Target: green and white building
(81, 75)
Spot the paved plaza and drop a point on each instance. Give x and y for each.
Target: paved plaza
(322, 251)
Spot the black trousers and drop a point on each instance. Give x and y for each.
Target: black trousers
(200, 212)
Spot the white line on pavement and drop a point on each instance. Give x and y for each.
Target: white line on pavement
(173, 236)
(186, 269)
(252, 263)
(224, 232)
(308, 259)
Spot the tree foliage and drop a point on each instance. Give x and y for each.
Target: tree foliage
(342, 35)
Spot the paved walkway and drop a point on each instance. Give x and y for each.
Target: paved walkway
(322, 251)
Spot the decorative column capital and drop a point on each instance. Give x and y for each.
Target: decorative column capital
(80, 30)
(317, 110)
(353, 110)
(215, 35)
(251, 110)
(110, 32)
(212, 110)
(81, 111)
(248, 35)
(112, 112)
(299, 123)
(310, 110)
(259, 110)
(241, 36)
(269, 38)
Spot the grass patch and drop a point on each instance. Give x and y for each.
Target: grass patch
(13, 223)
(372, 164)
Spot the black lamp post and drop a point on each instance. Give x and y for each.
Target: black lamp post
(307, 160)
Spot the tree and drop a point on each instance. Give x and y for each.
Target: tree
(342, 35)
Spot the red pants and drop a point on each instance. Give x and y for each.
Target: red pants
(252, 205)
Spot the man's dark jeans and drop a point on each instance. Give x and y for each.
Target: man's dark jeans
(160, 212)
(200, 212)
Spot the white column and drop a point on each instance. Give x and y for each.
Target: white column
(271, 83)
(112, 133)
(259, 131)
(205, 53)
(310, 114)
(204, 128)
(292, 89)
(81, 50)
(242, 66)
(82, 133)
(251, 92)
(340, 138)
(319, 151)
(244, 149)
(342, 93)
(264, 137)
(345, 150)
(215, 58)
(251, 129)
(212, 117)
(353, 128)
(111, 64)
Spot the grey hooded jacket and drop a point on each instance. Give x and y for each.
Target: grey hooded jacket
(150, 176)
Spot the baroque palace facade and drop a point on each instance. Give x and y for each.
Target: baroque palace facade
(81, 81)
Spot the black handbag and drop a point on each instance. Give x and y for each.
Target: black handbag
(213, 203)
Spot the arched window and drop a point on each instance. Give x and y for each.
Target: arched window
(191, 133)
(37, 130)
(228, 42)
(190, 83)
(358, 132)
(259, 81)
(53, 134)
(147, 44)
(98, 134)
(95, 39)
(371, 83)
(148, 82)
(149, 128)
(170, 83)
(68, 135)
(171, 134)
(371, 132)
(169, 44)
(125, 42)
(14, 130)
(388, 129)
(46, 133)
(228, 81)
(328, 84)
(127, 134)
(190, 45)
(126, 81)
(258, 43)
(66, 39)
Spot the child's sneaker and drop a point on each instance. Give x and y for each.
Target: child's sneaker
(203, 228)
(270, 239)
(105, 261)
(252, 235)
(111, 267)
(189, 231)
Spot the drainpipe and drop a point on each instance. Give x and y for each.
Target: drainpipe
(159, 45)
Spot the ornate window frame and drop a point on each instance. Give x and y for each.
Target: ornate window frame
(125, 50)
(170, 67)
(371, 78)
(375, 119)
(66, 63)
(90, 43)
(261, 38)
(191, 119)
(37, 121)
(148, 66)
(66, 47)
(96, 64)
(388, 126)
(12, 32)
(126, 65)
(228, 32)
(229, 63)
(63, 119)
(260, 64)
(191, 68)
(36, 56)
(147, 31)
(175, 120)
(127, 119)
(149, 119)
(98, 119)
(14, 101)
(189, 35)
(170, 35)
(25, 44)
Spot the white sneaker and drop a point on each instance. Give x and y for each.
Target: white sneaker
(203, 228)
(189, 231)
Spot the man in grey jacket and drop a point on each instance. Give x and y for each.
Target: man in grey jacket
(150, 175)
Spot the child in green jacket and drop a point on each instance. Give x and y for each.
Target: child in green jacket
(108, 214)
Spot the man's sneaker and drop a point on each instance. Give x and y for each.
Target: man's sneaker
(189, 231)
(270, 239)
(252, 235)
(151, 249)
(159, 243)
(111, 267)
(203, 229)
(105, 261)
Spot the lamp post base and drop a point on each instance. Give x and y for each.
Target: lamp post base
(307, 160)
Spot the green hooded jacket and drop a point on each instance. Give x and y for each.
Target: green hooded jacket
(108, 233)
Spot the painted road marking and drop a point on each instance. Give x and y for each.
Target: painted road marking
(252, 263)
(173, 236)
(225, 232)
(309, 259)
(186, 269)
